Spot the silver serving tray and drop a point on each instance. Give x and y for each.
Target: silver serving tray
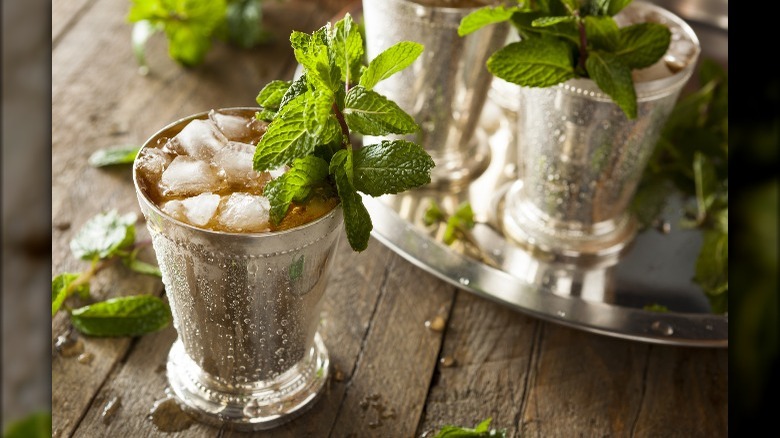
(611, 300)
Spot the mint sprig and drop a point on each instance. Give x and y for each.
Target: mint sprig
(564, 39)
(104, 240)
(313, 117)
(481, 430)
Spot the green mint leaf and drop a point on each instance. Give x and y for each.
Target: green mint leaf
(536, 62)
(597, 8)
(35, 425)
(396, 58)
(318, 107)
(286, 138)
(294, 185)
(564, 31)
(433, 214)
(370, 113)
(357, 221)
(655, 307)
(271, 95)
(460, 222)
(391, 167)
(311, 51)
(296, 268)
(614, 79)
(641, 45)
(60, 286)
(244, 23)
(616, 6)
(298, 87)
(125, 316)
(484, 17)
(481, 431)
(346, 45)
(103, 235)
(142, 267)
(706, 184)
(265, 114)
(602, 32)
(343, 160)
(187, 45)
(549, 21)
(712, 265)
(114, 156)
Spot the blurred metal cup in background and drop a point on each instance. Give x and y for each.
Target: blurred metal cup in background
(246, 308)
(445, 89)
(581, 158)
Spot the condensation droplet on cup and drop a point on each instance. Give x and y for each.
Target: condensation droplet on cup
(561, 313)
(662, 328)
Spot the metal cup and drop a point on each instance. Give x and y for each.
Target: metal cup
(581, 158)
(246, 308)
(445, 88)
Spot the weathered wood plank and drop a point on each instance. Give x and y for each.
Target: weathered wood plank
(387, 392)
(492, 348)
(64, 14)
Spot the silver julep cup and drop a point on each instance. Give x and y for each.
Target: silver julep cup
(445, 88)
(581, 158)
(246, 308)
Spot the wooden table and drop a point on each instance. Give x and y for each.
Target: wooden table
(533, 378)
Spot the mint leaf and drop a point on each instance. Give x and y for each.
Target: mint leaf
(285, 140)
(60, 286)
(357, 221)
(318, 107)
(537, 62)
(712, 265)
(641, 45)
(602, 33)
(616, 6)
(114, 156)
(103, 235)
(391, 167)
(461, 221)
(298, 87)
(433, 214)
(294, 185)
(370, 113)
(481, 431)
(125, 316)
(311, 51)
(614, 79)
(347, 48)
(35, 425)
(549, 21)
(563, 31)
(394, 59)
(655, 307)
(141, 267)
(706, 184)
(483, 17)
(271, 95)
(265, 114)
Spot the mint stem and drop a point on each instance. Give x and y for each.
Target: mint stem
(342, 122)
(583, 46)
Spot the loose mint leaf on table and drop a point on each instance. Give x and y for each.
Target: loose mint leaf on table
(391, 167)
(539, 62)
(141, 267)
(641, 45)
(484, 17)
(104, 235)
(295, 185)
(482, 430)
(614, 79)
(61, 289)
(35, 425)
(125, 316)
(114, 156)
(370, 113)
(396, 58)
(461, 221)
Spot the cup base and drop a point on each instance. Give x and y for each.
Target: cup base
(597, 246)
(458, 170)
(250, 406)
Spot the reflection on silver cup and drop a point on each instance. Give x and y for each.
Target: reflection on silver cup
(581, 158)
(445, 89)
(246, 308)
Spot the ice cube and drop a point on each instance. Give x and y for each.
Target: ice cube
(238, 128)
(200, 209)
(279, 171)
(151, 163)
(187, 176)
(200, 139)
(234, 164)
(175, 209)
(242, 212)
